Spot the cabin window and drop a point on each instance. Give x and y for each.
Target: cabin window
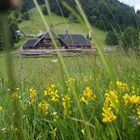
(47, 43)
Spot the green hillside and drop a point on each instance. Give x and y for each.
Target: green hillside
(35, 26)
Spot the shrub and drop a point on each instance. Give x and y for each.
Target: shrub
(12, 28)
(73, 19)
(112, 38)
(25, 16)
(130, 38)
(44, 10)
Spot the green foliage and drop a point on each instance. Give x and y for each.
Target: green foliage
(1, 47)
(12, 27)
(44, 10)
(29, 4)
(130, 38)
(16, 14)
(138, 19)
(0, 42)
(103, 14)
(25, 16)
(73, 18)
(112, 38)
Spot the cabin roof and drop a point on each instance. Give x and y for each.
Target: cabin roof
(30, 42)
(70, 40)
(74, 40)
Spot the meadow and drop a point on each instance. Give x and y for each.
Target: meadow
(82, 101)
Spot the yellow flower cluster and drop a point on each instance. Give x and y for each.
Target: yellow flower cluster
(126, 98)
(111, 103)
(108, 115)
(135, 99)
(138, 112)
(111, 99)
(88, 95)
(52, 93)
(16, 130)
(122, 86)
(32, 93)
(14, 96)
(70, 81)
(131, 99)
(43, 106)
(66, 103)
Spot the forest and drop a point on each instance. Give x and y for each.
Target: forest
(105, 14)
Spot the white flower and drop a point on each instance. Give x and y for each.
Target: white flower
(8, 89)
(54, 60)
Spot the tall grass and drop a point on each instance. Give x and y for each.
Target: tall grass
(64, 97)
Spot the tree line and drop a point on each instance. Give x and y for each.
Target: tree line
(104, 14)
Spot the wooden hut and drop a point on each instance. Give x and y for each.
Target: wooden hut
(64, 41)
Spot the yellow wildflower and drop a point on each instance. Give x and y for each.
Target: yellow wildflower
(44, 106)
(16, 130)
(14, 96)
(70, 81)
(135, 99)
(126, 98)
(52, 93)
(138, 112)
(55, 96)
(122, 86)
(1, 109)
(111, 99)
(131, 99)
(107, 102)
(32, 93)
(88, 95)
(66, 103)
(108, 115)
(83, 131)
(83, 99)
(49, 89)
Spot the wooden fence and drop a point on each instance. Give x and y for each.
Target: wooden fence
(54, 52)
